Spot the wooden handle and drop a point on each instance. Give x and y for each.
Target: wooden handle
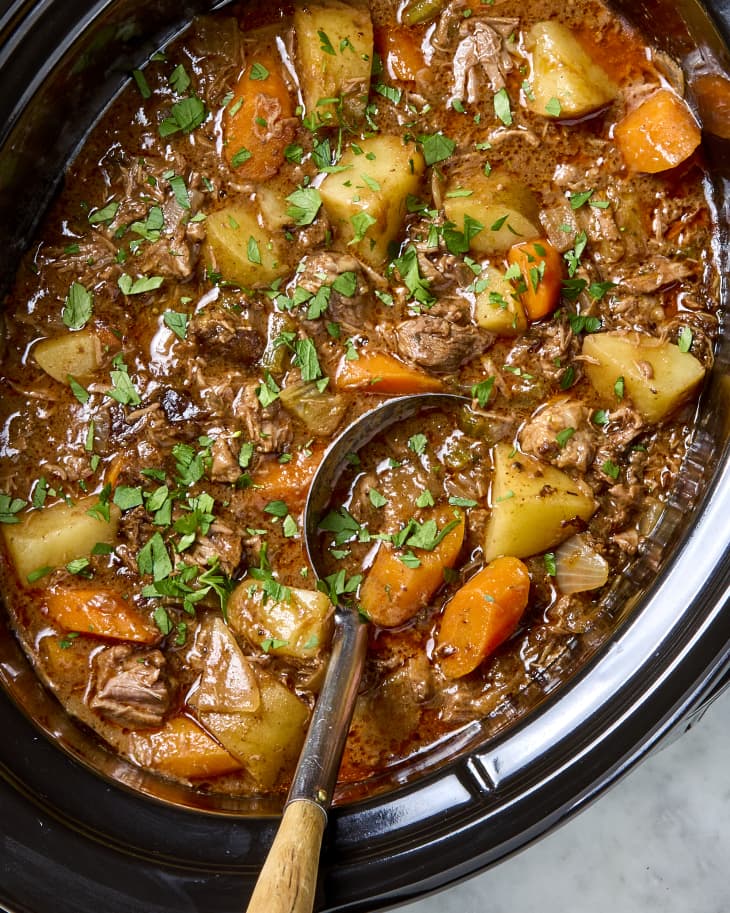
(288, 880)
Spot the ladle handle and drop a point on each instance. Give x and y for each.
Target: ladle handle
(288, 880)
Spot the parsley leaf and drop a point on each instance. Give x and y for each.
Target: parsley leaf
(482, 391)
(140, 285)
(685, 339)
(562, 437)
(258, 72)
(127, 497)
(502, 107)
(185, 115)
(179, 79)
(407, 266)
(361, 221)
(153, 558)
(268, 391)
(177, 322)
(106, 214)
(142, 84)
(436, 147)
(78, 307)
(243, 155)
(307, 360)
(305, 204)
(376, 498)
(9, 507)
(123, 390)
(180, 190)
(344, 526)
(345, 284)
(418, 443)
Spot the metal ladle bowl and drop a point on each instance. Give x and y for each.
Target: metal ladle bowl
(288, 879)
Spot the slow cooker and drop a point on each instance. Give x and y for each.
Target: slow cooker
(76, 841)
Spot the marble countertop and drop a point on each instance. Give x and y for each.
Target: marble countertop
(658, 842)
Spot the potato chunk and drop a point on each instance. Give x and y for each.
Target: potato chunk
(503, 205)
(565, 81)
(240, 248)
(334, 56)
(268, 741)
(498, 307)
(657, 377)
(299, 626)
(78, 354)
(367, 201)
(51, 537)
(534, 506)
(180, 749)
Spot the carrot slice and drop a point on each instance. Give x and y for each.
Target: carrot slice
(288, 482)
(181, 749)
(376, 372)
(393, 592)
(101, 613)
(541, 267)
(256, 125)
(482, 615)
(659, 134)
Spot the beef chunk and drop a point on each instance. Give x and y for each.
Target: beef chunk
(323, 269)
(130, 687)
(562, 416)
(439, 345)
(224, 335)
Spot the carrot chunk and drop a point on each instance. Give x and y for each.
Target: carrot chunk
(482, 615)
(541, 268)
(659, 134)
(101, 613)
(394, 592)
(288, 482)
(257, 128)
(401, 52)
(376, 372)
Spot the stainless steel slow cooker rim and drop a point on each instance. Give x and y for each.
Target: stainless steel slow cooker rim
(701, 644)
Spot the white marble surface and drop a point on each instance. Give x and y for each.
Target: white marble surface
(658, 842)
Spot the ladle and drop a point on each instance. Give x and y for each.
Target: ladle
(288, 879)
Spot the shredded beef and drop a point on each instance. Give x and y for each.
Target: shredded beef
(269, 428)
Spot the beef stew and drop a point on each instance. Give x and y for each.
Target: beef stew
(214, 296)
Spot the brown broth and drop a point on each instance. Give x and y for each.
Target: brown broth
(198, 419)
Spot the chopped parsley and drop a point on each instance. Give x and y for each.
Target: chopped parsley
(9, 507)
(185, 115)
(502, 108)
(436, 147)
(78, 307)
(305, 204)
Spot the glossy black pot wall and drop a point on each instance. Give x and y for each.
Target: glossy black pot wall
(74, 843)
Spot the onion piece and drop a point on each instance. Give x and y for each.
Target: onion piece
(579, 567)
(228, 683)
